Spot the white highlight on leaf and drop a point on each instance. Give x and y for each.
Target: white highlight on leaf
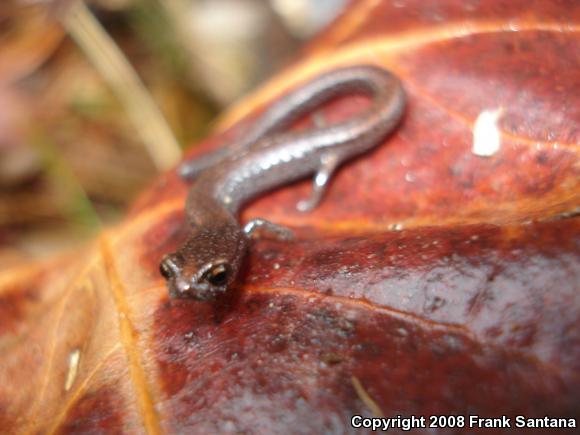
(486, 134)
(73, 366)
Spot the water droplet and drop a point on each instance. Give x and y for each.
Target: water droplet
(396, 227)
(513, 26)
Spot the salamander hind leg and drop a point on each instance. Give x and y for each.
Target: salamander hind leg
(328, 164)
(256, 226)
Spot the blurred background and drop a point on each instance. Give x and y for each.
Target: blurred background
(98, 98)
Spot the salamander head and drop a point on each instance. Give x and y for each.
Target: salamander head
(207, 264)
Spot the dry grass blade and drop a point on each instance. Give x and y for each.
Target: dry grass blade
(123, 80)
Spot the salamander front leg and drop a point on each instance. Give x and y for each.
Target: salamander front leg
(328, 164)
(258, 225)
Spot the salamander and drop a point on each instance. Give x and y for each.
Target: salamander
(266, 157)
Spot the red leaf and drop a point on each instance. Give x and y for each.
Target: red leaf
(431, 280)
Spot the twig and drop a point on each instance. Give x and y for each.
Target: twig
(365, 398)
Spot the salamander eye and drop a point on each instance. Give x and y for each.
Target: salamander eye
(218, 275)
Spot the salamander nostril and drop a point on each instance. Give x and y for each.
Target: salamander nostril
(165, 269)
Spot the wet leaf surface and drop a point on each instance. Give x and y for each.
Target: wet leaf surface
(431, 280)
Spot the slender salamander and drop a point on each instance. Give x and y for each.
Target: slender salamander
(207, 264)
